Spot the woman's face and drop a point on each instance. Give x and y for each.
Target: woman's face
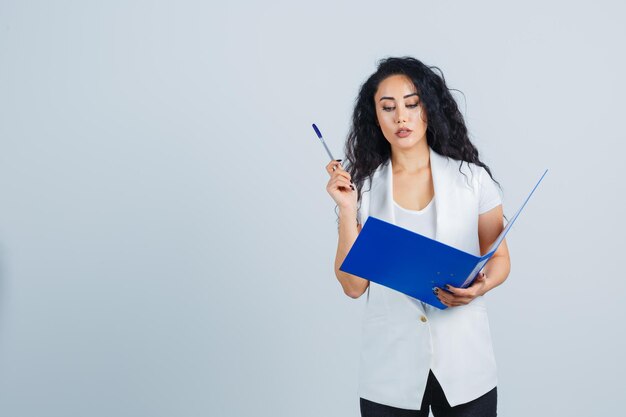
(399, 112)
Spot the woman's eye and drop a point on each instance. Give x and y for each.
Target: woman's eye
(388, 108)
(412, 106)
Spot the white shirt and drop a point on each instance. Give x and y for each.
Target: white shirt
(419, 221)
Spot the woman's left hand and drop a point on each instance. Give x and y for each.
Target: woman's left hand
(454, 296)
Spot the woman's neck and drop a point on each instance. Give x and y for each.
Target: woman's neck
(411, 161)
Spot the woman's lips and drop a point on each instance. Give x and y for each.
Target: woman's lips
(403, 133)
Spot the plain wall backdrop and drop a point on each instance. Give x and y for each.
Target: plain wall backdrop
(166, 238)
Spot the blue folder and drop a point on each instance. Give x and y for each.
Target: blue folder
(414, 264)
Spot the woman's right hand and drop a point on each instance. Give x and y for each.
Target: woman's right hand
(340, 187)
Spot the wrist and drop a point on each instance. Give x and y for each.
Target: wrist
(349, 218)
(347, 212)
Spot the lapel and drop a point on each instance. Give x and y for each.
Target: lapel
(442, 170)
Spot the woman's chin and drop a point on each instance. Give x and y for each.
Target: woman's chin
(406, 143)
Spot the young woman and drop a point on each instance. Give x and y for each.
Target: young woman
(411, 163)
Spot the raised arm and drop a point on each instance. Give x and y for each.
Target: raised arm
(344, 194)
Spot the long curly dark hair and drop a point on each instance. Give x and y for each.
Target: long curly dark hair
(366, 147)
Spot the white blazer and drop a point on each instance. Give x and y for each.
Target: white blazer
(402, 338)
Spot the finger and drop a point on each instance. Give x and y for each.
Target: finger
(451, 299)
(342, 173)
(445, 294)
(442, 295)
(443, 300)
(333, 165)
(455, 302)
(341, 183)
(450, 303)
(340, 179)
(461, 292)
(450, 288)
(346, 186)
(461, 301)
(334, 161)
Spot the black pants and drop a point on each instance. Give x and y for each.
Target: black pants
(484, 406)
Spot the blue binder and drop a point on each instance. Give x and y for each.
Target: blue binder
(414, 264)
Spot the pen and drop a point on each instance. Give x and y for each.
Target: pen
(319, 135)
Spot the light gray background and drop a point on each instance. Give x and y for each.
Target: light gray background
(166, 239)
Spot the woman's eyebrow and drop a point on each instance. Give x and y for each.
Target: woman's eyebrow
(391, 98)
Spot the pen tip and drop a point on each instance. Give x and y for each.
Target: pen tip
(317, 131)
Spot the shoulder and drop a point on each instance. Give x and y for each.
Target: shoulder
(377, 177)
(459, 171)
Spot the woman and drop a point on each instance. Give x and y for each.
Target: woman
(411, 163)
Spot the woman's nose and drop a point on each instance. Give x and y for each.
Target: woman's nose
(400, 116)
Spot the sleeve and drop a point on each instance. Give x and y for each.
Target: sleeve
(490, 196)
